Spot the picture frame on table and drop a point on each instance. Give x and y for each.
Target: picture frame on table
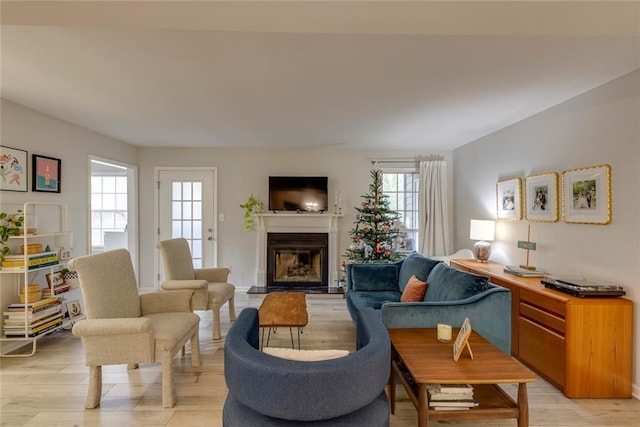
(74, 309)
(509, 199)
(46, 174)
(14, 169)
(55, 279)
(541, 197)
(586, 195)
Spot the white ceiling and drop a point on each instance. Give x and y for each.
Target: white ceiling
(411, 75)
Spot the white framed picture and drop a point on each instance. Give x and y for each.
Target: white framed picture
(74, 309)
(509, 200)
(541, 197)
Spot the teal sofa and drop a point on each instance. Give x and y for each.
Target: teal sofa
(451, 296)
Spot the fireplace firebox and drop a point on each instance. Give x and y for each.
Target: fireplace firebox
(297, 260)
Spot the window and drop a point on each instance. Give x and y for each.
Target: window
(402, 191)
(108, 206)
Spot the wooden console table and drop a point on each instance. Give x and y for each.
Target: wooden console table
(418, 359)
(583, 346)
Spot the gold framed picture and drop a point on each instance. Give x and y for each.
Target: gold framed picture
(586, 195)
(509, 199)
(541, 197)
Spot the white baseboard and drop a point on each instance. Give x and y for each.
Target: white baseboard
(635, 391)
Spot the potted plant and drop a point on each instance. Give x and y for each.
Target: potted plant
(10, 225)
(252, 206)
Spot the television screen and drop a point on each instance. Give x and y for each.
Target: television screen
(298, 193)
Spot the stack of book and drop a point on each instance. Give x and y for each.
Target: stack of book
(55, 290)
(451, 397)
(33, 319)
(523, 272)
(33, 261)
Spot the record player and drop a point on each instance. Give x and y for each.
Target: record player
(580, 287)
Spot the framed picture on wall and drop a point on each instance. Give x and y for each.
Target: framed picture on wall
(46, 174)
(586, 195)
(541, 197)
(13, 169)
(509, 200)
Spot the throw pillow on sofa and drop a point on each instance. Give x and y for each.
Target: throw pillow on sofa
(450, 284)
(415, 264)
(414, 290)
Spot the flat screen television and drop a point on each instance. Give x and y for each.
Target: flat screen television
(298, 193)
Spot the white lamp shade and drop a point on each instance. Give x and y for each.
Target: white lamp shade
(482, 230)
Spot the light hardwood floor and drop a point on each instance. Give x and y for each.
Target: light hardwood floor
(49, 388)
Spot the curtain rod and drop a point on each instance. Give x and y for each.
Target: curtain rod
(408, 160)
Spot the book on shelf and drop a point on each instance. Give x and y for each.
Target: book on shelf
(449, 408)
(17, 262)
(38, 255)
(30, 311)
(34, 324)
(466, 403)
(32, 305)
(523, 272)
(464, 389)
(20, 316)
(34, 332)
(59, 289)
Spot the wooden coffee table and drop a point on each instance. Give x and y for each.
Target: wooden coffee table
(283, 309)
(418, 359)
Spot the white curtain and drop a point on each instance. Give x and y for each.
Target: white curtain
(434, 231)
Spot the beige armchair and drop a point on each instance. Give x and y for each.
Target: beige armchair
(210, 286)
(125, 327)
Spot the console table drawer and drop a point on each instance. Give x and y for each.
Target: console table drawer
(546, 319)
(544, 350)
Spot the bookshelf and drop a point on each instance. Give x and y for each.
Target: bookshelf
(28, 320)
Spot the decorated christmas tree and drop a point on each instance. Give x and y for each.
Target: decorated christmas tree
(375, 233)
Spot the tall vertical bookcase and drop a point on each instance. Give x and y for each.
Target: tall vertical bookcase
(53, 218)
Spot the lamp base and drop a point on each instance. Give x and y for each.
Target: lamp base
(482, 251)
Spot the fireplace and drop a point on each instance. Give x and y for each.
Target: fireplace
(293, 225)
(297, 260)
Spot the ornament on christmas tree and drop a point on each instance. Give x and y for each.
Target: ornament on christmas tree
(375, 232)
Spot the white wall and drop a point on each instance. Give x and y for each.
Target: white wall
(245, 171)
(37, 133)
(601, 126)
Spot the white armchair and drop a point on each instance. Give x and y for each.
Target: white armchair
(210, 287)
(124, 327)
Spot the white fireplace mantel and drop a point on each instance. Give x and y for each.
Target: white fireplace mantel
(285, 222)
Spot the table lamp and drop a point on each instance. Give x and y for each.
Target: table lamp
(483, 231)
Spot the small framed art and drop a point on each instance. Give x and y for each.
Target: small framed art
(55, 279)
(13, 169)
(586, 195)
(541, 197)
(74, 309)
(509, 200)
(46, 174)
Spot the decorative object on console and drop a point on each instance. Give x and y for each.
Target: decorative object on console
(586, 195)
(14, 169)
(508, 199)
(253, 206)
(483, 231)
(541, 197)
(46, 174)
(528, 245)
(374, 235)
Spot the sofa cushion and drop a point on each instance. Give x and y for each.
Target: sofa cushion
(372, 299)
(450, 284)
(414, 290)
(374, 277)
(304, 355)
(418, 265)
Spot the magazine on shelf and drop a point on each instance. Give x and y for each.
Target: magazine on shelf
(19, 316)
(33, 325)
